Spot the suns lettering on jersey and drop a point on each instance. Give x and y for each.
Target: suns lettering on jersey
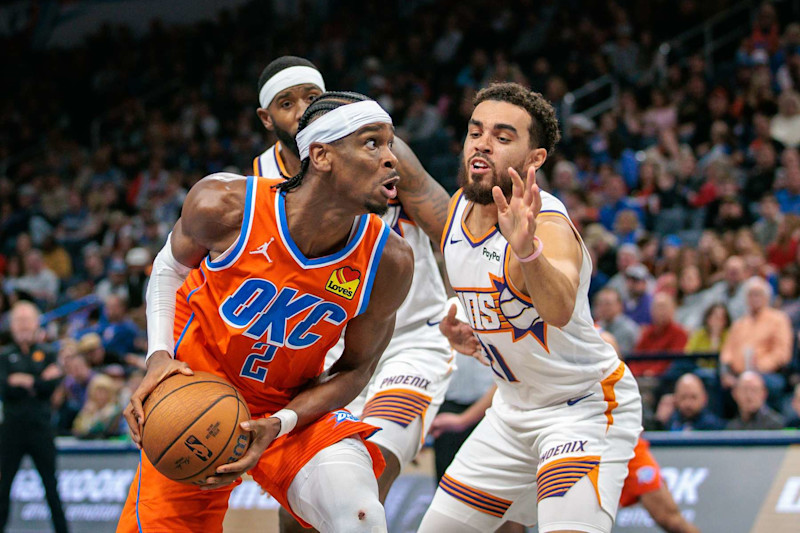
(497, 309)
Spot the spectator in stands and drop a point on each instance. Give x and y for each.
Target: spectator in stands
(793, 420)
(691, 407)
(731, 289)
(120, 334)
(766, 227)
(664, 335)
(711, 336)
(760, 341)
(750, 395)
(692, 301)
(627, 255)
(39, 281)
(71, 394)
(789, 197)
(91, 347)
(639, 300)
(116, 283)
(616, 200)
(138, 261)
(785, 126)
(101, 413)
(56, 258)
(608, 313)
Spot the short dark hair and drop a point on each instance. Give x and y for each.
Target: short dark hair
(324, 103)
(544, 131)
(280, 64)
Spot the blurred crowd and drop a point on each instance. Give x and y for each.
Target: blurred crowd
(687, 191)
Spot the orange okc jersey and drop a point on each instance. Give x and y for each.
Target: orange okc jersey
(264, 315)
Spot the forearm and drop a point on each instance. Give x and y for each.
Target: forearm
(475, 412)
(773, 360)
(167, 277)
(423, 198)
(327, 396)
(44, 388)
(552, 292)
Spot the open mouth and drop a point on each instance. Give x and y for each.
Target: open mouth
(388, 187)
(479, 166)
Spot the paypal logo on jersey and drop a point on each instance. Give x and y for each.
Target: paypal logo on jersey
(263, 310)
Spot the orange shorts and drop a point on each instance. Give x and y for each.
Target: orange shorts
(156, 503)
(644, 475)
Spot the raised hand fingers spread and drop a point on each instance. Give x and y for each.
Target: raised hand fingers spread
(499, 200)
(517, 186)
(536, 204)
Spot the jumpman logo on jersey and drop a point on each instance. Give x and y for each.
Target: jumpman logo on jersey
(263, 250)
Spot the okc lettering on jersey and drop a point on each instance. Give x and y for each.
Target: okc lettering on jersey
(497, 309)
(567, 447)
(261, 310)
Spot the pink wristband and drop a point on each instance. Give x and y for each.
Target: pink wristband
(536, 253)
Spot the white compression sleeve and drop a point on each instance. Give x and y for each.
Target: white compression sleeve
(166, 278)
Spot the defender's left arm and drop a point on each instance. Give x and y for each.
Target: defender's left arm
(423, 198)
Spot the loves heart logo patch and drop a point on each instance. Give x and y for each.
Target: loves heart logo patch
(344, 282)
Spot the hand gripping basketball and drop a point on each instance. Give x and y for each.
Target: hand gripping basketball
(264, 431)
(160, 366)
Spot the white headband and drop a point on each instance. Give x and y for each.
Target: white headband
(340, 123)
(289, 77)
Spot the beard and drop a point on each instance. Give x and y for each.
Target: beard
(480, 192)
(286, 139)
(376, 208)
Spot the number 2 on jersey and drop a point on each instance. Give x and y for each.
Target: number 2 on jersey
(255, 366)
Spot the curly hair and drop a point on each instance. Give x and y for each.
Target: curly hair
(324, 103)
(544, 131)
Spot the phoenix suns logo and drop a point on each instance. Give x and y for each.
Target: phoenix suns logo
(344, 282)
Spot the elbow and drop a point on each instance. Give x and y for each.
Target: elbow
(560, 316)
(559, 319)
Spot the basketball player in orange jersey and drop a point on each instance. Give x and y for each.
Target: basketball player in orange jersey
(412, 376)
(267, 274)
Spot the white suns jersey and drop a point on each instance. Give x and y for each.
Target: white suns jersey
(535, 364)
(424, 305)
(269, 164)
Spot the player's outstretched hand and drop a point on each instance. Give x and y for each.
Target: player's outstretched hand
(447, 423)
(459, 335)
(264, 431)
(517, 217)
(160, 366)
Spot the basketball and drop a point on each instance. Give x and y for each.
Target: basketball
(191, 426)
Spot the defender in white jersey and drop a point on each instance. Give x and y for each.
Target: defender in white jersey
(409, 383)
(554, 447)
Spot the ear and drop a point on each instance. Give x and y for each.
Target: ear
(265, 118)
(320, 157)
(536, 157)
